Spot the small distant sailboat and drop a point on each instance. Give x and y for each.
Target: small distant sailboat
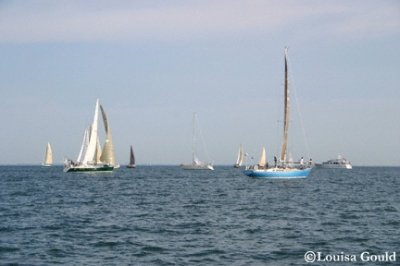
(132, 163)
(48, 156)
(240, 157)
(196, 163)
(91, 157)
(285, 169)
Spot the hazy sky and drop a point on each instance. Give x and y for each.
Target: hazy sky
(153, 63)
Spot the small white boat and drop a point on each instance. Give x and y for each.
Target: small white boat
(48, 156)
(196, 163)
(338, 163)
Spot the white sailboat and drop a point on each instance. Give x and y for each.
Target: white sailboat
(196, 164)
(132, 163)
(286, 169)
(240, 157)
(48, 156)
(91, 157)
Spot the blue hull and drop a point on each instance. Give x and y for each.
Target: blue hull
(278, 173)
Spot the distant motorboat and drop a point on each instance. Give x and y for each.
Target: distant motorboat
(132, 163)
(91, 157)
(285, 169)
(338, 163)
(196, 163)
(48, 156)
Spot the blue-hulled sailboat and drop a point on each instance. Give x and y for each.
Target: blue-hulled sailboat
(283, 170)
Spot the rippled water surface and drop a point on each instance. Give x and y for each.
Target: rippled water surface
(167, 216)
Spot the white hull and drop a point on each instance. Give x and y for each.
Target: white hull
(336, 166)
(197, 167)
(339, 163)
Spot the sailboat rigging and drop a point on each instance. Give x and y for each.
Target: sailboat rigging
(196, 163)
(284, 169)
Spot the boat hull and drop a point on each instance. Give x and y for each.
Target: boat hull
(278, 173)
(131, 166)
(102, 168)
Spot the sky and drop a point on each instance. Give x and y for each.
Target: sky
(153, 63)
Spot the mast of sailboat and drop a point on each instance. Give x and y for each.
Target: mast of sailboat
(286, 114)
(194, 138)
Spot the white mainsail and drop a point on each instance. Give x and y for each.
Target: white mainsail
(48, 157)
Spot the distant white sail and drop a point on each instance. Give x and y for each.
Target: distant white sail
(263, 158)
(48, 157)
(240, 158)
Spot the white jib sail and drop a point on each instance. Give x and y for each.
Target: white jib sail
(85, 143)
(92, 146)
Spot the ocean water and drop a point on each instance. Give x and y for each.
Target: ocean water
(162, 215)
